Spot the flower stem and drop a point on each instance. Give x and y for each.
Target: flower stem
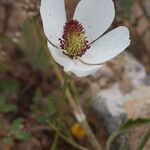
(81, 118)
(62, 106)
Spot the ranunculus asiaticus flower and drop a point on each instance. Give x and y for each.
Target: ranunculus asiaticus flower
(79, 44)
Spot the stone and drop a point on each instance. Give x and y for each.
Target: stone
(127, 96)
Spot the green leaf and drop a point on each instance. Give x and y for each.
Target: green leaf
(37, 98)
(7, 140)
(16, 129)
(15, 126)
(144, 140)
(41, 120)
(50, 104)
(7, 108)
(126, 6)
(49, 109)
(126, 126)
(4, 67)
(22, 135)
(9, 86)
(2, 98)
(133, 123)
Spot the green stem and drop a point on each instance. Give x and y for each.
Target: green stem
(61, 113)
(67, 139)
(144, 140)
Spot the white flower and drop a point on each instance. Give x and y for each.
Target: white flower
(79, 44)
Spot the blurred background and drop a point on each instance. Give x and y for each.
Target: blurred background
(30, 89)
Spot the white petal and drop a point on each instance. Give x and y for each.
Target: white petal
(108, 46)
(60, 58)
(75, 66)
(53, 17)
(81, 70)
(96, 16)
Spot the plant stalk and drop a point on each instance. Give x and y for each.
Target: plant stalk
(81, 118)
(54, 146)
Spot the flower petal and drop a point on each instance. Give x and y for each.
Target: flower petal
(53, 17)
(108, 46)
(75, 66)
(60, 58)
(81, 70)
(96, 16)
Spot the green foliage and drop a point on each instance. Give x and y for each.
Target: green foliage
(4, 67)
(2, 98)
(16, 125)
(68, 138)
(37, 98)
(144, 140)
(20, 135)
(49, 105)
(49, 110)
(133, 123)
(126, 7)
(9, 86)
(17, 132)
(5, 107)
(122, 146)
(33, 51)
(125, 127)
(7, 140)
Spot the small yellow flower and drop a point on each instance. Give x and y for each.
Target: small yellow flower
(77, 131)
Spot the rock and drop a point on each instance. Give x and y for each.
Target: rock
(147, 80)
(137, 104)
(108, 107)
(123, 68)
(127, 96)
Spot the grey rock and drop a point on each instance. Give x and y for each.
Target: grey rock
(108, 103)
